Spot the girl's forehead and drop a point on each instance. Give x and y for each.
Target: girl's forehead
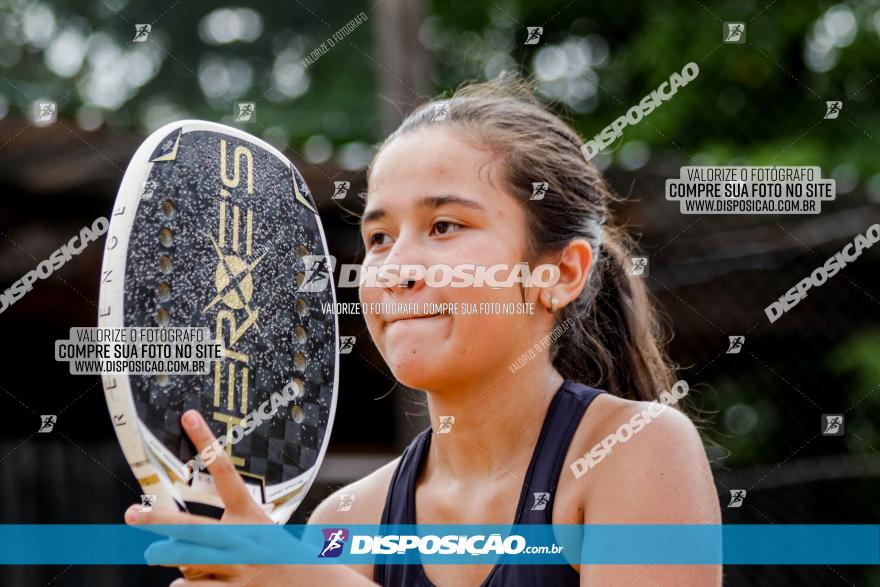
(438, 151)
(434, 163)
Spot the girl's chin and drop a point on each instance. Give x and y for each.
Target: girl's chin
(418, 370)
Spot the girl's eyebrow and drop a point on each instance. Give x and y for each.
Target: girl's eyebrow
(430, 202)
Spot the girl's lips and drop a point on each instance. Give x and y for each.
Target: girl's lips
(400, 317)
(415, 318)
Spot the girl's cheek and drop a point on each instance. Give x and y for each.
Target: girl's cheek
(371, 296)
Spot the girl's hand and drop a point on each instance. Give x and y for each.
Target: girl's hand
(193, 539)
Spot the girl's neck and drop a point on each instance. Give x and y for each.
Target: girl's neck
(496, 424)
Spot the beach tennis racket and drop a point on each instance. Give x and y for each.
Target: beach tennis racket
(214, 228)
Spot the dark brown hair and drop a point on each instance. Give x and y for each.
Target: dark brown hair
(615, 341)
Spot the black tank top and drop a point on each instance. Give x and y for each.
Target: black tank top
(562, 419)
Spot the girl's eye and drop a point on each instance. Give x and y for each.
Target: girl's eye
(445, 226)
(376, 239)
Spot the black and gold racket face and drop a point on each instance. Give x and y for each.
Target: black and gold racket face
(221, 239)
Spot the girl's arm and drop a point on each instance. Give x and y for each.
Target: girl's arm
(659, 476)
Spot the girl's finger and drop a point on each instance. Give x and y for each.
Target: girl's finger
(200, 583)
(227, 480)
(133, 515)
(204, 572)
(195, 529)
(197, 558)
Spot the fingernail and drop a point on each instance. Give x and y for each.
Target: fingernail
(191, 419)
(131, 514)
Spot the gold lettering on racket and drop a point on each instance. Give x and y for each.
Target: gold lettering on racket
(236, 160)
(151, 480)
(234, 290)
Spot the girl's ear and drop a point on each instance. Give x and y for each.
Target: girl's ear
(574, 264)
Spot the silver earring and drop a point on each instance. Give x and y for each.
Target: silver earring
(554, 301)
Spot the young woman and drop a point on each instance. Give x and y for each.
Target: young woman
(453, 185)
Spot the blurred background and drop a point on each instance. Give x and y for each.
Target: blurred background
(759, 102)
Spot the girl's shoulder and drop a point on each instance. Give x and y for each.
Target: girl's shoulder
(626, 457)
(610, 414)
(633, 462)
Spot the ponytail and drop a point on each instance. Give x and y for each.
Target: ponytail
(615, 342)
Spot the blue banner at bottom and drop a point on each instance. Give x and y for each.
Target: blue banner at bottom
(439, 544)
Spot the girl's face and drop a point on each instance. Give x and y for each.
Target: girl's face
(435, 199)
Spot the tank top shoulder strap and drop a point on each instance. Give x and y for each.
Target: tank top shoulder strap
(400, 508)
(400, 501)
(542, 478)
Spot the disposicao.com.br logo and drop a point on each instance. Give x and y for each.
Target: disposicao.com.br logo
(449, 544)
